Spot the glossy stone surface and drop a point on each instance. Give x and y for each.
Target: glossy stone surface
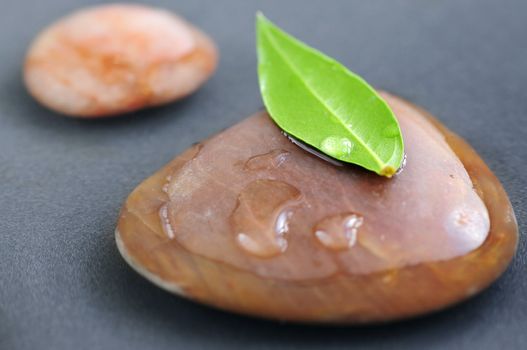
(249, 222)
(113, 59)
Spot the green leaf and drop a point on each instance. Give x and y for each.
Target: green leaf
(319, 101)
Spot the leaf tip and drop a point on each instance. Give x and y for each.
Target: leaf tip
(261, 19)
(388, 171)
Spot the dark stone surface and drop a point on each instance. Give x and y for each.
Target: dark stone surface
(63, 284)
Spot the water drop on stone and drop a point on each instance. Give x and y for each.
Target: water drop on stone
(267, 161)
(262, 216)
(165, 221)
(469, 225)
(338, 232)
(403, 164)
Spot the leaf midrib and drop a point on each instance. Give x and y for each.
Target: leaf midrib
(290, 63)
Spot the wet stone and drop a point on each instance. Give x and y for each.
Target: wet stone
(250, 222)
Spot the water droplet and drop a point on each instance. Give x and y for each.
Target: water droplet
(165, 221)
(312, 150)
(262, 215)
(338, 232)
(282, 222)
(337, 147)
(269, 160)
(469, 225)
(181, 168)
(403, 164)
(391, 130)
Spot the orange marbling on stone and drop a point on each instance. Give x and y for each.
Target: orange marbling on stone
(112, 59)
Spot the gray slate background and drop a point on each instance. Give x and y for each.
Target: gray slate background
(63, 284)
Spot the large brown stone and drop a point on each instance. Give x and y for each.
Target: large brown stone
(247, 221)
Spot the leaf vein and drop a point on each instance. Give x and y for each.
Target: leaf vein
(286, 59)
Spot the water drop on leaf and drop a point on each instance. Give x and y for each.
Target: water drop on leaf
(337, 147)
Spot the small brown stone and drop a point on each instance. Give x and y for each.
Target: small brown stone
(113, 59)
(249, 222)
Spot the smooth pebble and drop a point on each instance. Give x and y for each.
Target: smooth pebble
(117, 58)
